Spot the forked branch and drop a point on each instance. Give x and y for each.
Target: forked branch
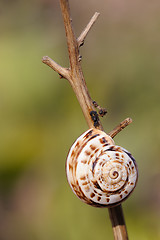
(75, 77)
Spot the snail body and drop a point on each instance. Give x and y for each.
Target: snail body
(100, 173)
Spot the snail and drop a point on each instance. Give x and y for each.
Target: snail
(100, 173)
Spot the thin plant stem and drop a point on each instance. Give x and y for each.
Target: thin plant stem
(75, 77)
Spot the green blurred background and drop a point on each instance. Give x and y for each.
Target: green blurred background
(40, 116)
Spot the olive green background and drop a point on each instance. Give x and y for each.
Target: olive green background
(40, 116)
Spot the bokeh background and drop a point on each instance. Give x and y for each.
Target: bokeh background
(40, 116)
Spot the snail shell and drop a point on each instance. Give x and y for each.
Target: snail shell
(100, 173)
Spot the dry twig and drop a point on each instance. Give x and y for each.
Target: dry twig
(83, 35)
(75, 77)
(120, 127)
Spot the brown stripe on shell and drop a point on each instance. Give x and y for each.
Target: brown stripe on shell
(94, 164)
(85, 183)
(106, 144)
(75, 165)
(87, 188)
(92, 147)
(96, 135)
(103, 163)
(112, 148)
(73, 153)
(103, 140)
(117, 155)
(77, 144)
(84, 161)
(96, 185)
(81, 195)
(87, 152)
(89, 161)
(92, 195)
(73, 186)
(83, 178)
(88, 134)
(70, 167)
(98, 198)
(118, 161)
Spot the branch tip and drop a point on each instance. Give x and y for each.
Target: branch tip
(63, 72)
(120, 127)
(44, 59)
(84, 33)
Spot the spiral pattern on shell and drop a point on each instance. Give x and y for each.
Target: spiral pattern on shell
(100, 173)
